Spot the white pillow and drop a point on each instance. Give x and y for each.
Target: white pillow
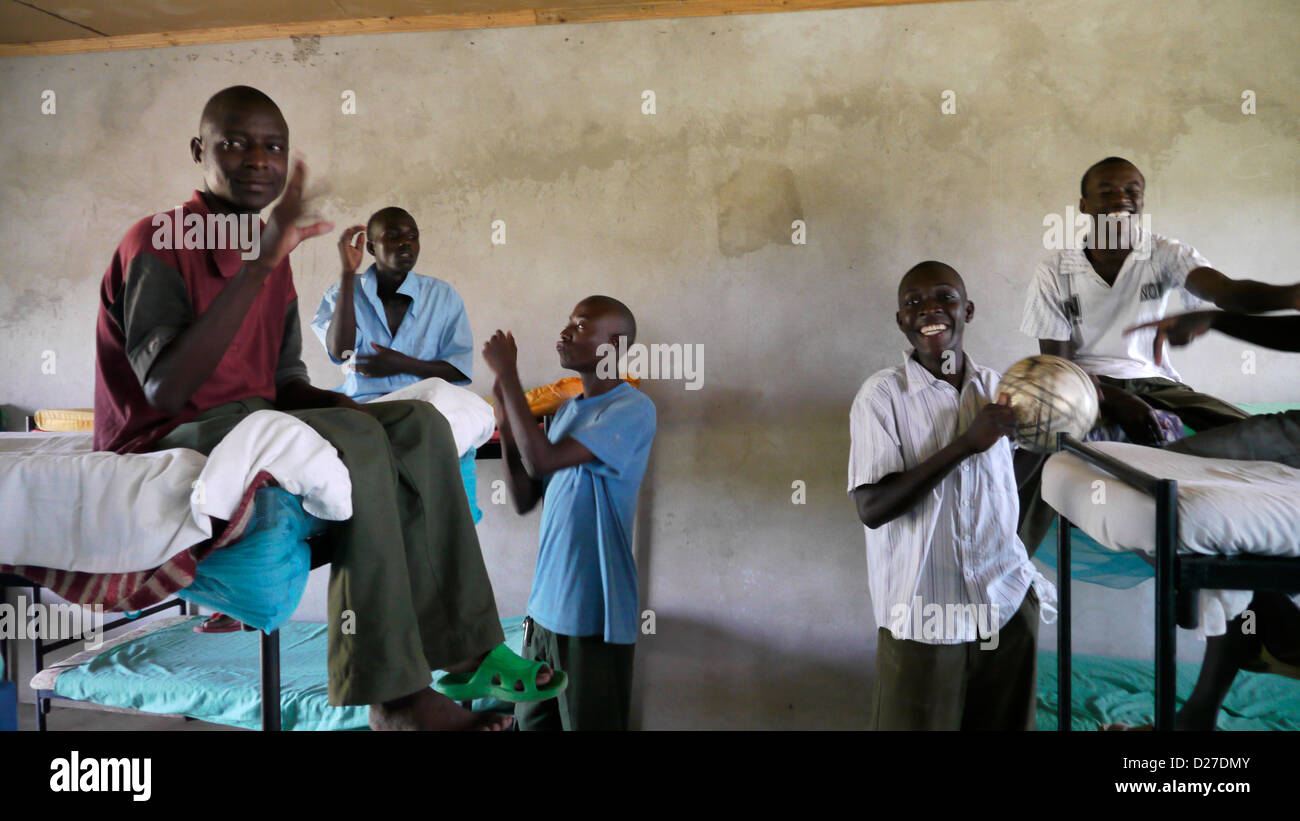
(471, 419)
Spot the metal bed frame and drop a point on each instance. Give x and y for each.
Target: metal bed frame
(269, 649)
(1178, 578)
(270, 654)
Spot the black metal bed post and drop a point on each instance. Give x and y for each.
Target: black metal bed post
(1166, 602)
(1165, 494)
(1064, 692)
(38, 658)
(7, 655)
(271, 681)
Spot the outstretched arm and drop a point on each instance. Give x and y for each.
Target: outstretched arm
(1281, 333)
(1245, 296)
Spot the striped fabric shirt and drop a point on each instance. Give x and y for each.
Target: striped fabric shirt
(1069, 301)
(955, 554)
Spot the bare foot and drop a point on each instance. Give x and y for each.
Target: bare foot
(1122, 728)
(470, 665)
(429, 710)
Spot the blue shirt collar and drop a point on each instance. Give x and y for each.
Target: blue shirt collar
(606, 395)
(370, 284)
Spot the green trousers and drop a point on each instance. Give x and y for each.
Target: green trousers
(408, 590)
(1270, 437)
(599, 695)
(960, 686)
(1198, 411)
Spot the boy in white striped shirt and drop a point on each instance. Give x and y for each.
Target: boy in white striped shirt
(930, 470)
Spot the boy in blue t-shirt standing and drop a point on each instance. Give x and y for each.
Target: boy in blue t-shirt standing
(583, 610)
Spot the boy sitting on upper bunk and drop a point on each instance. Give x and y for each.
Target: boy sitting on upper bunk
(402, 326)
(1266, 636)
(1081, 299)
(930, 471)
(587, 470)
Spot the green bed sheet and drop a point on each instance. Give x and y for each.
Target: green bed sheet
(1110, 690)
(216, 677)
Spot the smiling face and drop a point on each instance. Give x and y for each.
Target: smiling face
(1114, 188)
(243, 147)
(393, 238)
(933, 309)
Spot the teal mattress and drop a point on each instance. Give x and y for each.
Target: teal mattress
(216, 677)
(1107, 690)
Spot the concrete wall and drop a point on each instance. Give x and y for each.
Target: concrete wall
(763, 618)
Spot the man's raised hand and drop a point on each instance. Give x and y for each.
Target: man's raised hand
(501, 353)
(281, 234)
(350, 247)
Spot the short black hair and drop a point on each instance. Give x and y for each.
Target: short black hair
(1083, 183)
(928, 264)
(627, 322)
(384, 213)
(234, 97)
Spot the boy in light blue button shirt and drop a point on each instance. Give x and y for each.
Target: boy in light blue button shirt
(587, 470)
(403, 327)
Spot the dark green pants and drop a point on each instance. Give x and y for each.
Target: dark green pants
(960, 686)
(1270, 437)
(599, 695)
(1198, 411)
(408, 590)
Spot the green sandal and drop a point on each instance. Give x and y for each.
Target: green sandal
(496, 677)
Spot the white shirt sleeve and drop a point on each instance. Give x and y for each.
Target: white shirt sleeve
(1184, 259)
(1044, 317)
(874, 450)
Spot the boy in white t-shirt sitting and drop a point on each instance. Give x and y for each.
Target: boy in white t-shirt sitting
(930, 471)
(1083, 299)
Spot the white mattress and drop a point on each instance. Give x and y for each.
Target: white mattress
(1225, 507)
(67, 508)
(79, 442)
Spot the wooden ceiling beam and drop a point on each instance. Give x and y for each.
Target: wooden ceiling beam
(541, 16)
